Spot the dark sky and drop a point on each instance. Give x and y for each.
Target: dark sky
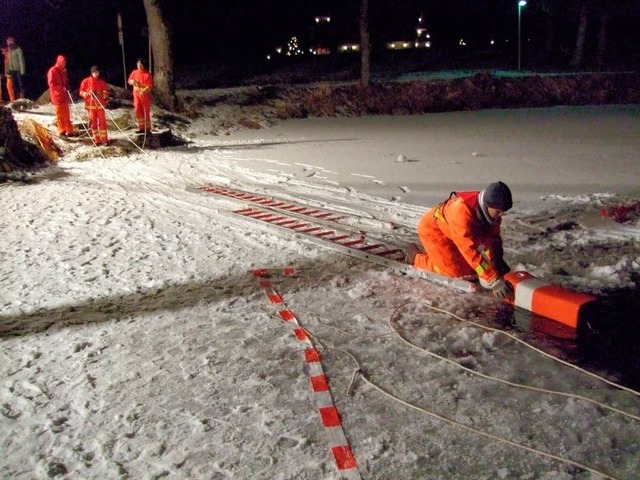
(86, 31)
(230, 30)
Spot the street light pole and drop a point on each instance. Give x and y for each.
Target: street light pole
(121, 41)
(521, 3)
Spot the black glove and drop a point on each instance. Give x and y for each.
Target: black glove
(502, 267)
(501, 289)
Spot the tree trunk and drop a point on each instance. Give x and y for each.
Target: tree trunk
(551, 37)
(160, 38)
(581, 37)
(602, 38)
(550, 7)
(365, 45)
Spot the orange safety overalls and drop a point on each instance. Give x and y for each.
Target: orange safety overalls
(458, 241)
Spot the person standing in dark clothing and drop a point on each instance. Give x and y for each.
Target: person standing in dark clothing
(15, 68)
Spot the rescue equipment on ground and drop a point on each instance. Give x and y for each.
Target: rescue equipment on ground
(548, 300)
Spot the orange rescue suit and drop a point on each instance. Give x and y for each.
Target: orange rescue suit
(95, 92)
(459, 241)
(59, 92)
(142, 82)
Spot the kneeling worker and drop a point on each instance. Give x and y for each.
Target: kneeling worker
(461, 238)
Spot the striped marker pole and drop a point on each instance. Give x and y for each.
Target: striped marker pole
(342, 454)
(548, 300)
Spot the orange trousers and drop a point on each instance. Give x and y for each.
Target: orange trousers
(10, 90)
(63, 119)
(142, 111)
(98, 124)
(443, 256)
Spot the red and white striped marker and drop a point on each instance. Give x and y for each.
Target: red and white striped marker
(547, 300)
(344, 458)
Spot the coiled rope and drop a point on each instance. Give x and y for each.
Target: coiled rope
(359, 373)
(522, 342)
(485, 434)
(513, 384)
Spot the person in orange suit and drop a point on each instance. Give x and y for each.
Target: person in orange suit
(142, 82)
(58, 82)
(95, 92)
(8, 79)
(461, 238)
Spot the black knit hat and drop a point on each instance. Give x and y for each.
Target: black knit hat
(94, 69)
(497, 195)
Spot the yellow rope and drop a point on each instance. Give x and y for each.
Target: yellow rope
(397, 331)
(513, 337)
(485, 434)
(506, 382)
(468, 428)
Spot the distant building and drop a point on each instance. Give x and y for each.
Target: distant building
(349, 47)
(399, 45)
(422, 38)
(321, 36)
(321, 51)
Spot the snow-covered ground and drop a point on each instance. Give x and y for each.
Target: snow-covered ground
(135, 342)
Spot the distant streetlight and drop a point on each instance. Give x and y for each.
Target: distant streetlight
(521, 3)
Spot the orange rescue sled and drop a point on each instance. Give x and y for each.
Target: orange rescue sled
(547, 300)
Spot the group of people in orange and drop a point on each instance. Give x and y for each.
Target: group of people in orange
(93, 90)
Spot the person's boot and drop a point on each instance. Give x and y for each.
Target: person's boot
(412, 251)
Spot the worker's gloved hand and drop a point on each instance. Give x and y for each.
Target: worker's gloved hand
(500, 288)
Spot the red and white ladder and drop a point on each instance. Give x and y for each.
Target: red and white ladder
(322, 227)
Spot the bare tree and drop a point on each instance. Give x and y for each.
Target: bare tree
(550, 7)
(602, 37)
(160, 38)
(581, 36)
(365, 45)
